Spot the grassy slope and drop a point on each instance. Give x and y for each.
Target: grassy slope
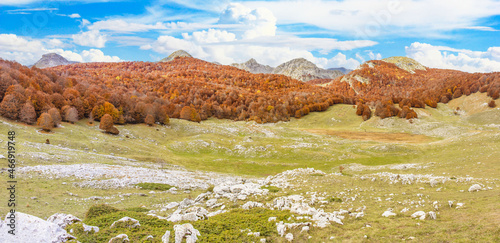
(458, 145)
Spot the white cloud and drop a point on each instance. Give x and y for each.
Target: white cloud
(210, 36)
(374, 56)
(91, 38)
(257, 22)
(451, 58)
(374, 18)
(95, 55)
(120, 25)
(74, 16)
(28, 51)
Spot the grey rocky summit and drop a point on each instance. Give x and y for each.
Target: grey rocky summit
(52, 60)
(176, 54)
(253, 66)
(304, 70)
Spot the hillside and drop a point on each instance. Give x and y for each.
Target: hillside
(176, 54)
(328, 171)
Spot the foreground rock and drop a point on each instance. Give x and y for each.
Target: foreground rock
(186, 231)
(63, 220)
(119, 239)
(126, 222)
(33, 229)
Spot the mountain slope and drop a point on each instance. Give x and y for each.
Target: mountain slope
(304, 70)
(405, 63)
(341, 69)
(52, 60)
(253, 66)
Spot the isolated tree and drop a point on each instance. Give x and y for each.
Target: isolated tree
(56, 116)
(492, 104)
(190, 114)
(107, 125)
(71, 115)
(45, 122)
(28, 114)
(150, 120)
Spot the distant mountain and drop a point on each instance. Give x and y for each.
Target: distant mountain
(304, 70)
(175, 54)
(253, 66)
(405, 63)
(52, 60)
(341, 69)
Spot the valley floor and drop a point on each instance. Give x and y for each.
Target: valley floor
(328, 176)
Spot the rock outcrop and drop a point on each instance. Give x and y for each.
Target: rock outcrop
(32, 229)
(253, 66)
(174, 55)
(52, 60)
(186, 231)
(304, 70)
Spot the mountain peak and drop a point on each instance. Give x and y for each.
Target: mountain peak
(304, 70)
(253, 66)
(51, 60)
(176, 54)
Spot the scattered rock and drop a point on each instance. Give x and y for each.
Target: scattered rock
(186, 231)
(251, 204)
(289, 237)
(210, 203)
(419, 214)
(475, 188)
(166, 237)
(119, 239)
(305, 228)
(126, 222)
(432, 215)
(88, 228)
(388, 213)
(63, 220)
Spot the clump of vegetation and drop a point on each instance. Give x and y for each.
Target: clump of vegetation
(272, 189)
(154, 186)
(210, 188)
(98, 210)
(107, 125)
(138, 209)
(333, 199)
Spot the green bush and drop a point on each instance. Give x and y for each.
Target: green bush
(98, 210)
(154, 186)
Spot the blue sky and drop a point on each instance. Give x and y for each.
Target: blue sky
(462, 35)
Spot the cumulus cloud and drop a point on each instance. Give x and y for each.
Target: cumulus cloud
(375, 18)
(255, 22)
(92, 38)
(451, 58)
(28, 51)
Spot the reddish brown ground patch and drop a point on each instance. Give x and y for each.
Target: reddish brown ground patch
(374, 136)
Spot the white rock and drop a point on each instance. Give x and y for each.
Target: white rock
(419, 214)
(432, 215)
(166, 237)
(450, 203)
(289, 237)
(263, 240)
(211, 202)
(281, 228)
(271, 219)
(119, 239)
(29, 228)
(388, 213)
(186, 231)
(404, 210)
(475, 188)
(63, 220)
(250, 204)
(129, 222)
(172, 205)
(460, 205)
(88, 228)
(305, 228)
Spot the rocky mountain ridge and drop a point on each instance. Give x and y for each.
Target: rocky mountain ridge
(176, 54)
(253, 66)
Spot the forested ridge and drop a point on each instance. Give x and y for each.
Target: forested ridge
(192, 89)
